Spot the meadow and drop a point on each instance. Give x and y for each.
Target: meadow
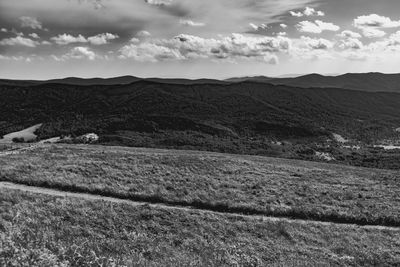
(212, 181)
(41, 230)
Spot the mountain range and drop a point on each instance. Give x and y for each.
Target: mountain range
(369, 82)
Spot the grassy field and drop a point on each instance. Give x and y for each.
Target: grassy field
(39, 230)
(220, 182)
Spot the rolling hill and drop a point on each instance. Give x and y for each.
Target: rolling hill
(244, 117)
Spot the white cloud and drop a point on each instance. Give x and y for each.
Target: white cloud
(102, 38)
(19, 40)
(283, 26)
(308, 12)
(350, 34)
(376, 21)
(373, 33)
(34, 35)
(258, 28)
(14, 31)
(3, 30)
(296, 14)
(316, 27)
(191, 23)
(30, 22)
(351, 43)
(64, 39)
(143, 34)
(159, 2)
(390, 43)
(80, 52)
(134, 40)
(149, 52)
(320, 43)
(183, 47)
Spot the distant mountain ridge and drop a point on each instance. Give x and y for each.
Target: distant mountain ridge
(368, 82)
(121, 80)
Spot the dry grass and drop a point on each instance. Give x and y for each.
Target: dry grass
(215, 181)
(37, 230)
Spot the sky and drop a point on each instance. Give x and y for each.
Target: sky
(44, 39)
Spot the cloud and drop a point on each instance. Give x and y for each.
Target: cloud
(185, 47)
(284, 26)
(159, 2)
(308, 12)
(375, 21)
(258, 29)
(64, 39)
(80, 52)
(373, 33)
(34, 35)
(318, 44)
(296, 14)
(20, 41)
(99, 39)
(102, 38)
(350, 34)
(316, 27)
(14, 31)
(149, 52)
(30, 22)
(351, 43)
(390, 43)
(143, 34)
(191, 23)
(3, 30)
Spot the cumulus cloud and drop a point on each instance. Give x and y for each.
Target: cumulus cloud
(284, 26)
(30, 22)
(308, 12)
(80, 52)
(372, 25)
(3, 30)
(315, 43)
(143, 34)
(372, 33)
(20, 41)
(236, 46)
(258, 28)
(390, 43)
(159, 2)
(102, 38)
(64, 39)
(149, 52)
(374, 20)
(350, 34)
(316, 27)
(351, 43)
(191, 23)
(34, 35)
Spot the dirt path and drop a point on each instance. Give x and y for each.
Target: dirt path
(20, 150)
(92, 197)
